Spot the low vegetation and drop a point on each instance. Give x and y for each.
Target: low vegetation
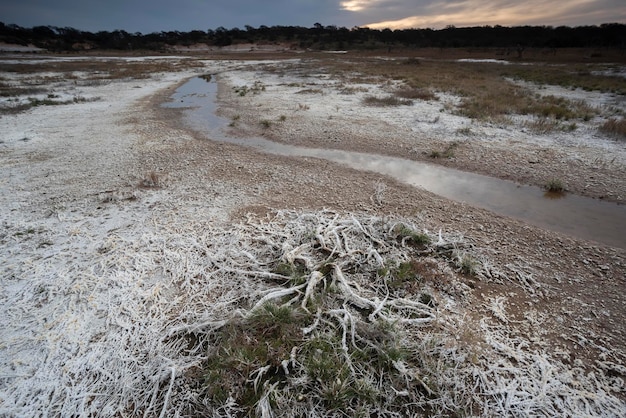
(321, 343)
(487, 91)
(448, 152)
(577, 76)
(384, 101)
(615, 127)
(555, 186)
(416, 94)
(256, 88)
(151, 180)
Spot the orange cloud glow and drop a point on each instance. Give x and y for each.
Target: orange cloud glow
(356, 5)
(483, 12)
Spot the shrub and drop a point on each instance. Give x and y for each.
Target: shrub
(555, 186)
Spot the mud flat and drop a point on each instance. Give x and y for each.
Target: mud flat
(131, 241)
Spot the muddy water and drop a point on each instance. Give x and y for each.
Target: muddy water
(582, 217)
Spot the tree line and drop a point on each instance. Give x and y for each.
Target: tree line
(612, 35)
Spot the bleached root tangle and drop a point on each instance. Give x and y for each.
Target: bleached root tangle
(300, 314)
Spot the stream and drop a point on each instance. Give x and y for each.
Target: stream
(582, 217)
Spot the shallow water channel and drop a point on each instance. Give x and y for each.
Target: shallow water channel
(582, 217)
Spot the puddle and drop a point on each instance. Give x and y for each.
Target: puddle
(577, 216)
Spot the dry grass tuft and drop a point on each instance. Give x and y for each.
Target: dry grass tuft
(385, 101)
(151, 181)
(417, 94)
(310, 91)
(542, 125)
(614, 127)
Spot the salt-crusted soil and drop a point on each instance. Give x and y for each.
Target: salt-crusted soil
(321, 110)
(106, 201)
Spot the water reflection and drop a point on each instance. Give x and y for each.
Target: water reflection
(553, 195)
(575, 215)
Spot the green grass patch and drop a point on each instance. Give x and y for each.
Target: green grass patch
(409, 235)
(251, 357)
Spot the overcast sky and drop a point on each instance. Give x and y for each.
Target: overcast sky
(163, 15)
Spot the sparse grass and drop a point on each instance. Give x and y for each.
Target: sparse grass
(151, 181)
(411, 61)
(546, 125)
(265, 123)
(352, 90)
(25, 232)
(10, 90)
(559, 108)
(492, 102)
(579, 76)
(104, 69)
(256, 88)
(296, 274)
(554, 186)
(515, 100)
(310, 91)
(542, 125)
(487, 90)
(405, 276)
(250, 358)
(408, 235)
(416, 94)
(448, 152)
(242, 347)
(49, 100)
(234, 120)
(614, 127)
(435, 154)
(466, 263)
(386, 101)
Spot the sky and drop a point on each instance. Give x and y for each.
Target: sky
(147, 16)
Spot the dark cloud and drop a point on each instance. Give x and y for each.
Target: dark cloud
(157, 15)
